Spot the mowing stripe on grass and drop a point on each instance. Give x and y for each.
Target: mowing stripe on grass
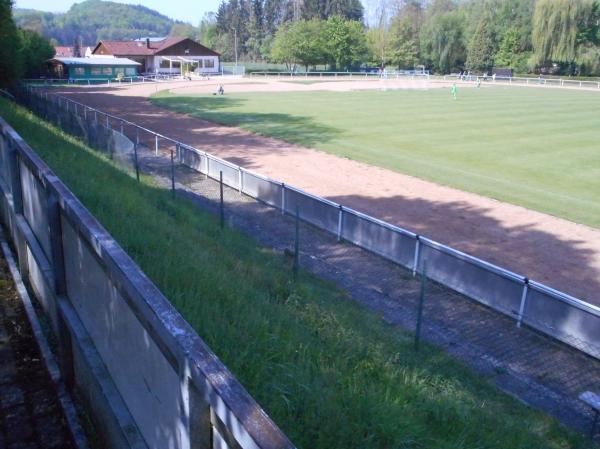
(536, 148)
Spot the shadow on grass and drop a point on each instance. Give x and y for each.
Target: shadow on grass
(296, 129)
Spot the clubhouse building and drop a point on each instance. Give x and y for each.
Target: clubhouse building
(170, 55)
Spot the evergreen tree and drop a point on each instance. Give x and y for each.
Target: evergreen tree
(405, 30)
(480, 56)
(10, 57)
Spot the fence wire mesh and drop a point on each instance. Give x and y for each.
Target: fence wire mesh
(553, 313)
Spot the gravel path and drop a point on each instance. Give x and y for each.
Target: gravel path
(30, 413)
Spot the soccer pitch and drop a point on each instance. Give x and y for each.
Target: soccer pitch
(534, 147)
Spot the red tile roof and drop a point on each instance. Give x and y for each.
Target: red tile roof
(66, 52)
(141, 48)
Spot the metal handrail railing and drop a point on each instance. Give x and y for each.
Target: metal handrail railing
(420, 240)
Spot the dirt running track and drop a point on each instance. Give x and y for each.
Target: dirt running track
(556, 252)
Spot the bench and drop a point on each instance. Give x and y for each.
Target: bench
(593, 400)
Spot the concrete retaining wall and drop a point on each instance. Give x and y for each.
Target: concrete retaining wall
(147, 379)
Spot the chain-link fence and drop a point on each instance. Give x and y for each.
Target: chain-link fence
(549, 311)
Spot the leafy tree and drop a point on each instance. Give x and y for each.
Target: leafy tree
(207, 30)
(379, 45)
(442, 41)
(300, 42)
(345, 42)
(379, 37)
(10, 57)
(480, 56)
(405, 29)
(35, 52)
(559, 26)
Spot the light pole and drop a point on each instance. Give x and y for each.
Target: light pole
(235, 45)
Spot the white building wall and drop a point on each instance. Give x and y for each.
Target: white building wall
(206, 64)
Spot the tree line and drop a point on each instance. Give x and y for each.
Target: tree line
(23, 53)
(547, 36)
(529, 36)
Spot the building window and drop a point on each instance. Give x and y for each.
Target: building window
(96, 71)
(120, 70)
(107, 71)
(80, 71)
(209, 64)
(130, 71)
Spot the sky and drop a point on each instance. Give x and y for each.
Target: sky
(186, 10)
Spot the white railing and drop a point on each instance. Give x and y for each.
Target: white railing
(349, 75)
(526, 81)
(101, 81)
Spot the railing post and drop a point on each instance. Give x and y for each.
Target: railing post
(172, 175)
(122, 128)
(420, 306)
(240, 178)
(416, 260)
(523, 305)
(222, 203)
(296, 264)
(282, 198)
(59, 284)
(15, 179)
(55, 234)
(340, 223)
(136, 161)
(156, 144)
(17, 197)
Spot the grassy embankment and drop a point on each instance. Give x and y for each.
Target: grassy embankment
(330, 373)
(532, 147)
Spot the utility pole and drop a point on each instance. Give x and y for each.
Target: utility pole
(235, 45)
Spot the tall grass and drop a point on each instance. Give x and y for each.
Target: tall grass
(330, 373)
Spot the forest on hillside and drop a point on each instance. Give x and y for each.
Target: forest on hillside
(93, 20)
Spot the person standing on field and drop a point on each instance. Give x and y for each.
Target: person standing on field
(454, 90)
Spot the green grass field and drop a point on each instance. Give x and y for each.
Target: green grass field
(330, 373)
(538, 148)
